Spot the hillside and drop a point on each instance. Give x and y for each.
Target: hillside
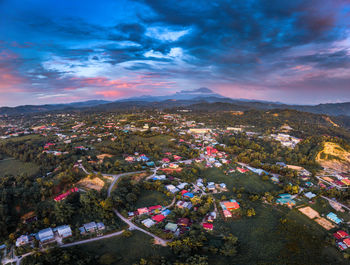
(334, 157)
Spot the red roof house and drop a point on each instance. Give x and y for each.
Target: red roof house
(158, 218)
(208, 226)
(340, 234)
(347, 242)
(65, 195)
(142, 210)
(152, 208)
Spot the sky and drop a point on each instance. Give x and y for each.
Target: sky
(60, 51)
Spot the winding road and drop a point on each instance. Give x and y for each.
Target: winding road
(131, 225)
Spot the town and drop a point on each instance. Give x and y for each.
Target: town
(171, 176)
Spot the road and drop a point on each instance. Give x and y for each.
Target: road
(131, 225)
(92, 239)
(342, 205)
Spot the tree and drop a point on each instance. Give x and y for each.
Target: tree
(250, 212)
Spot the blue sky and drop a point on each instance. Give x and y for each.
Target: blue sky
(64, 51)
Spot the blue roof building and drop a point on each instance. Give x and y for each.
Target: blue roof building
(333, 217)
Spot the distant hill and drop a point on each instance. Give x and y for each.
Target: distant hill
(199, 98)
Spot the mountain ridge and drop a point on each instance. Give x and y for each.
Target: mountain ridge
(180, 99)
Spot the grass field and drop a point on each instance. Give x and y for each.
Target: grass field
(264, 240)
(10, 166)
(151, 197)
(161, 141)
(128, 250)
(250, 181)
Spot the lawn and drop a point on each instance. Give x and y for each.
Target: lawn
(162, 141)
(10, 166)
(264, 240)
(251, 182)
(128, 250)
(151, 197)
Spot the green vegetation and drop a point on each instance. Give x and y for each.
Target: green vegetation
(126, 250)
(11, 166)
(148, 198)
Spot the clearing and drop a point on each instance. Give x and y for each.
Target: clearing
(10, 166)
(92, 183)
(151, 197)
(333, 156)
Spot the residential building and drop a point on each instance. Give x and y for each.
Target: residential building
(22, 240)
(45, 235)
(64, 231)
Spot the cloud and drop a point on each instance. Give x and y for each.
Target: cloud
(158, 46)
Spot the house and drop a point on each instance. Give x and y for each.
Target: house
(150, 164)
(176, 157)
(333, 217)
(100, 226)
(286, 201)
(242, 170)
(166, 212)
(208, 226)
(275, 179)
(153, 208)
(129, 159)
(171, 188)
(182, 185)
(183, 192)
(223, 185)
(340, 234)
(90, 227)
(22, 240)
(172, 165)
(45, 235)
(159, 177)
(211, 186)
(346, 241)
(144, 158)
(227, 213)
(171, 227)
(309, 195)
(65, 195)
(229, 205)
(188, 195)
(64, 231)
(183, 221)
(158, 218)
(341, 245)
(141, 211)
(148, 222)
(183, 204)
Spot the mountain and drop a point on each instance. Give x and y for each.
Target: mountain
(202, 92)
(25, 109)
(198, 97)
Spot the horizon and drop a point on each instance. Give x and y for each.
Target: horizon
(129, 98)
(57, 53)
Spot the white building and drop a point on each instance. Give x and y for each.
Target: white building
(64, 231)
(22, 240)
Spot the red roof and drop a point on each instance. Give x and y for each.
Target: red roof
(64, 195)
(158, 218)
(151, 208)
(183, 192)
(340, 234)
(208, 226)
(347, 241)
(242, 170)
